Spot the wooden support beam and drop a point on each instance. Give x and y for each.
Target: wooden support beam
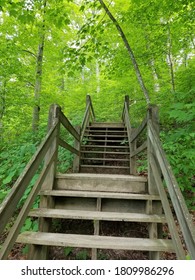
(66, 123)
(140, 149)
(65, 145)
(96, 228)
(76, 161)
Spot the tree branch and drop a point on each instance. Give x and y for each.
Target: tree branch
(130, 51)
(34, 55)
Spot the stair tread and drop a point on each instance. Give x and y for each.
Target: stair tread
(107, 146)
(105, 152)
(103, 140)
(104, 166)
(105, 135)
(98, 194)
(114, 177)
(107, 124)
(101, 182)
(96, 215)
(105, 130)
(106, 159)
(95, 241)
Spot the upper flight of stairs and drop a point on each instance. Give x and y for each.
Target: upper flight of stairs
(105, 149)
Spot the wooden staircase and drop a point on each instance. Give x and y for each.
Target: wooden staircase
(103, 189)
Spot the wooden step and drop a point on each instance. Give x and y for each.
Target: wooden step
(104, 152)
(100, 194)
(95, 241)
(95, 215)
(106, 159)
(101, 182)
(106, 140)
(105, 136)
(105, 130)
(107, 146)
(104, 166)
(107, 125)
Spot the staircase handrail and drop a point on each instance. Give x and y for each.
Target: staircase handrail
(177, 199)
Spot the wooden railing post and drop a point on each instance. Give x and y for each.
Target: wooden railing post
(87, 99)
(77, 144)
(127, 101)
(54, 115)
(155, 230)
(153, 116)
(37, 251)
(132, 145)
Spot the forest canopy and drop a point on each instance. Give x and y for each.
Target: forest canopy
(58, 51)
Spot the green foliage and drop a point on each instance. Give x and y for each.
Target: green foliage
(82, 255)
(68, 251)
(30, 225)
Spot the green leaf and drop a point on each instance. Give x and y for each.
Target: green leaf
(67, 251)
(9, 178)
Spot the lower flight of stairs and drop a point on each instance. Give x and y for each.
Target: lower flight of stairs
(100, 198)
(105, 149)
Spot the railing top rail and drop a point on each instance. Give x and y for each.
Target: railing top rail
(88, 100)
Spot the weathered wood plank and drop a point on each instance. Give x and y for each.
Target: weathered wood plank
(84, 125)
(104, 166)
(76, 162)
(66, 123)
(101, 183)
(97, 215)
(107, 125)
(89, 101)
(139, 150)
(101, 242)
(104, 152)
(96, 223)
(113, 177)
(137, 132)
(133, 147)
(114, 195)
(106, 159)
(8, 206)
(65, 145)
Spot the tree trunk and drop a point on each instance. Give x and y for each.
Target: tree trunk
(2, 106)
(170, 60)
(130, 52)
(38, 75)
(97, 76)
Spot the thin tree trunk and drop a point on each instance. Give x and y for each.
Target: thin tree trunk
(170, 60)
(130, 52)
(38, 75)
(2, 107)
(151, 64)
(97, 76)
